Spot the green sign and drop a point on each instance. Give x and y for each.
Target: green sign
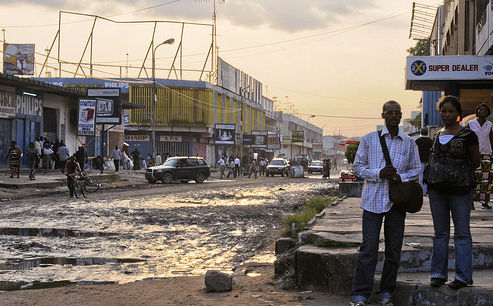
(297, 136)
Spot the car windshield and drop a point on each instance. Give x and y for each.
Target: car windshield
(171, 162)
(316, 164)
(277, 162)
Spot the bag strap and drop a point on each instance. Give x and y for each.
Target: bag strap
(385, 150)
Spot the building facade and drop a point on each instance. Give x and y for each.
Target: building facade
(299, 137)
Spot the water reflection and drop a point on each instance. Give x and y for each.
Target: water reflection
(188, 233)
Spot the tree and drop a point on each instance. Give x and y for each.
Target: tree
(422, 48)
(416, 121)
(351, 152)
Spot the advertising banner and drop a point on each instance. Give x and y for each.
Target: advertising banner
(297, 136)
(87, 117)
(273, 142)
(18, 59)
(247, 139)
(108, 105)
(7, 104)
(317, 147)
(224, 134)
(259, 139)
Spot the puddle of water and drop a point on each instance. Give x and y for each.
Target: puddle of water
(153, 236)
(25, 264)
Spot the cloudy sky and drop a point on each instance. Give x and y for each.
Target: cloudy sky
(322, 57)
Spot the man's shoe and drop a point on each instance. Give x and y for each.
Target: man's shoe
(437, 282)
(358, 304)
(457, 284)
(486, 206)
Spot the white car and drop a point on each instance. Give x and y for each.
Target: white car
(315, 166)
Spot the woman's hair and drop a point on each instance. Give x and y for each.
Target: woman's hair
(484, 106)
(452, 100)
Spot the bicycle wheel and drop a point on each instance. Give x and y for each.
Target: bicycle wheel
(77, 190)
(90, 185)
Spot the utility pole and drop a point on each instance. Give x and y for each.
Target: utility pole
(3, 31)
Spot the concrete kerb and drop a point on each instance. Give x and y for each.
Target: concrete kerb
(331, 269)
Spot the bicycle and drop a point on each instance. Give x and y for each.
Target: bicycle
(78, 189)
(89, 184)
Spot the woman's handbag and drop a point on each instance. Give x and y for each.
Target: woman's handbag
(407, 196)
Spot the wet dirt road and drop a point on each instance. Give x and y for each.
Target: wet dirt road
(129, 235)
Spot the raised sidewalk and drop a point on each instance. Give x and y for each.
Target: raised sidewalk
(327, 252)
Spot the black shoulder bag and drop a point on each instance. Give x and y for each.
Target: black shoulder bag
(407, 196)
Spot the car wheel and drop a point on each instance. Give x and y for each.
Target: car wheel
(167, 178)
(200, 178)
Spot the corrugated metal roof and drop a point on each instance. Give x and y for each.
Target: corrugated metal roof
(30, 83)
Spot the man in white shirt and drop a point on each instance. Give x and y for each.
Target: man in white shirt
(237, 166)
(116, 154)
(158, 160)
(222, 166)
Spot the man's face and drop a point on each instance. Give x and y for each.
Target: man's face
(392, 115)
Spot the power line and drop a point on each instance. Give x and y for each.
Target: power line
(117, 15)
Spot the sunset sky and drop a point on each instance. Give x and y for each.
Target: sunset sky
(325, 57)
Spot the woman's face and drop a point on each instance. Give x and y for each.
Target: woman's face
(482, 112)
(448, 113)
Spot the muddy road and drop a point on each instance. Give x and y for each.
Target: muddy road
(139, 233)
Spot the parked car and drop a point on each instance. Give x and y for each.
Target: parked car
(277, 166)
(316, 166)
(181, 169)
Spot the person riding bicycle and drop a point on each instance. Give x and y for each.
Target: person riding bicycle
(72, 168)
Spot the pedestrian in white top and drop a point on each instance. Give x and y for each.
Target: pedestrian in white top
(222, 166)
(482, 128)
(116, 154)
(158, 161)
(237, 166)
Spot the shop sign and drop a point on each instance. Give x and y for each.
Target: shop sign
(137, 138)
(224, 133)
(7, 104)
(87, 117)
(29, 106)
(167, 138)
(461, 67)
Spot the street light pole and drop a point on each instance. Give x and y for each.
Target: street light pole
(154, 91)
(307, 122)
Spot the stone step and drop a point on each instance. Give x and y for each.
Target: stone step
(331, 269)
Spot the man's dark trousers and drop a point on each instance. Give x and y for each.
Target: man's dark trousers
(117, 164)
(367, 259)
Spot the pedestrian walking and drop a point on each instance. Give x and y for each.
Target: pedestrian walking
(253, 168)
(33, 156)
(116, 154)
(326, 169)
(450, 178)
(222, 166)
(38, 147)
(370, 164)
(72, 168)
(231, 168)
(424, 144)
(483, 129)
(81, 156)
(262, 166)
(15, 155)
(47, 157)
(63, 154)
(136, 158)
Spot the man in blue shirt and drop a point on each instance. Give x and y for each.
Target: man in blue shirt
(369, 164)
